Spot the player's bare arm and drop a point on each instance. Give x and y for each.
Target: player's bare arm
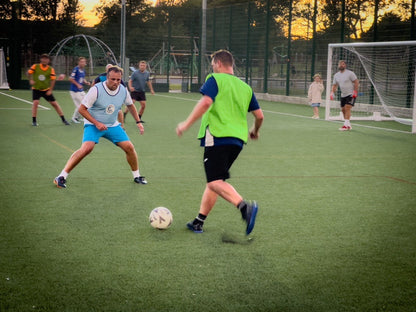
(83, 110)
(200, 108)
(259, 117)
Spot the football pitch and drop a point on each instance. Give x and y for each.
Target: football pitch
(335, 229)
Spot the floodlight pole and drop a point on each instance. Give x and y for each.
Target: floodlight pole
(203, 40)
(123, 37)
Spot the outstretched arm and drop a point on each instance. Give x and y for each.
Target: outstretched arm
(200, 108)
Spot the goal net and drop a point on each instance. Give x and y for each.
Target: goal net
(3, 74)
(386, 72)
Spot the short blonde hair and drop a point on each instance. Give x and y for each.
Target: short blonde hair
(317, 75)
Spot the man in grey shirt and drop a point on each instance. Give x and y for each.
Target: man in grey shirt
(348, 83)
(137, 87)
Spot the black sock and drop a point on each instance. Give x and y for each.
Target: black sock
(243, 208)
(33, 119)
(200, 219)
(63, 118)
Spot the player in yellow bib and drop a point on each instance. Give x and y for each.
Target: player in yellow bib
(223, 108)
(42, 78)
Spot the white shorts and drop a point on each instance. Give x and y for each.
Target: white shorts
(77, 97)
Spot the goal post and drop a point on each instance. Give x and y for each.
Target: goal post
(386, 72)
(3, 73)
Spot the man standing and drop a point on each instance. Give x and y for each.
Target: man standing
(137, 87)
(100, 108)
(42, 78)
(77, 80)
(223, 108)
(348, 83)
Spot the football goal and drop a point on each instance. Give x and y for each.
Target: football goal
(386, 72)
(3, 74)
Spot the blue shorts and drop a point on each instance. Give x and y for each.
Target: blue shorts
(113, 134)
(316, 104)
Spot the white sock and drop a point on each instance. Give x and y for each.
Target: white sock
(64, 174)
(348, 123)
(136, 174)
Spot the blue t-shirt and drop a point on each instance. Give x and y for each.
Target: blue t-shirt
(139, 79)
(78, 75)
(210, 88)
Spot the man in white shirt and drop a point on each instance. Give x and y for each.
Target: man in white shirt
(100, 109)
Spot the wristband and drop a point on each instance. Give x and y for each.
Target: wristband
(137, 122)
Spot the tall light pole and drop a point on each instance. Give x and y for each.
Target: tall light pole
(203, 40)
(123, 36)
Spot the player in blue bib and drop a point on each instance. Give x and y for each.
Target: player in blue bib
(100, 108)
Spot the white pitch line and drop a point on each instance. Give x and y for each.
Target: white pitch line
(23, 100)
(300, 116)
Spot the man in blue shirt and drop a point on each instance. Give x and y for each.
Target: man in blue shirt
(77, 79)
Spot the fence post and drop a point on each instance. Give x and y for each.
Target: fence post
(315, 13)
(248, 40)
(266, 48)
(289, 35)
(169, 47)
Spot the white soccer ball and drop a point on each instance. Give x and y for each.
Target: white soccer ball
(160, 218)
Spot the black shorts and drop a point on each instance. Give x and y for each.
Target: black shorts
(138, 96)
(37, 94)
(218, 161)
(348, 100)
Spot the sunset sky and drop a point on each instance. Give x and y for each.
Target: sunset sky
(88, 15)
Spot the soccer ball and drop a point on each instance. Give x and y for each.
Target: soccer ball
(160, 218)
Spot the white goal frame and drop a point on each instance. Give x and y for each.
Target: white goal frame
(376, 116)
(3, 73)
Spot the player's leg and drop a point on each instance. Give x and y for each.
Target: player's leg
(226, 191)
(132, 160)
(131, 154)
(51, 99)
(118, 136)
(35, 112)
(217, 162)
(35, 104)
(142, 108)
(85, 149)
(90, 138)
(77, 99)
(346, 112)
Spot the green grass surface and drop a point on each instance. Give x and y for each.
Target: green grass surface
(335, 230)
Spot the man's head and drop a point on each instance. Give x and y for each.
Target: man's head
(82, 62)
(114, 74)
(108, 66)
(222, 61)
(342, 65)
(44, 59)
(142, 66)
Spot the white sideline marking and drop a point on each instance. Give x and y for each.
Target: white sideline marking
(300, 116)
(23, 100)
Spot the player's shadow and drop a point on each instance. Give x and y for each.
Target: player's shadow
(233, 238)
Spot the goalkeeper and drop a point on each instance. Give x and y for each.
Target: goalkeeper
(348, 83)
